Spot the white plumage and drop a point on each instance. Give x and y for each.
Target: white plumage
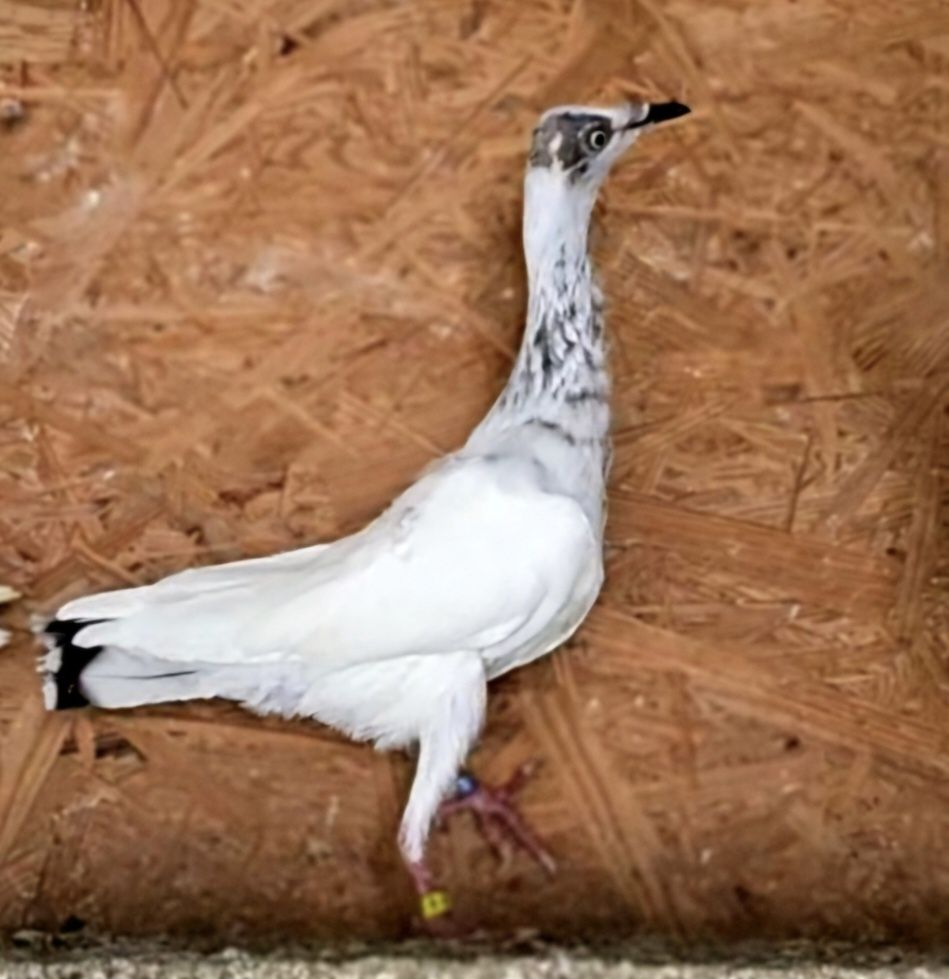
(491, 559)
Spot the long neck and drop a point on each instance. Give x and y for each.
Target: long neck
(562, 359)
(556, 404)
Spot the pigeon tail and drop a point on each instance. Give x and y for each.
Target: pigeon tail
(105, 675)
(64, 662)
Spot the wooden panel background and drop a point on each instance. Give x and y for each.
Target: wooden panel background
(259, 262)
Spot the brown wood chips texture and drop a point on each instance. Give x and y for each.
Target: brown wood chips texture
(259, 263)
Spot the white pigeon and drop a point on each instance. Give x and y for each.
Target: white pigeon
(490, 560)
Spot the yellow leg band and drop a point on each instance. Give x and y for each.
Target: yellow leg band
(434, 904)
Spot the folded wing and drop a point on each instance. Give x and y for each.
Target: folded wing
(470, 557)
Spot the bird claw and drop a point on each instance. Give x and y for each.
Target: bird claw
(497, 817)
(501, 825)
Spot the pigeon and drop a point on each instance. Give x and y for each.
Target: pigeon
(491, 559)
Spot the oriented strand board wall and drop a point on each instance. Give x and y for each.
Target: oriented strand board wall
(259, 263)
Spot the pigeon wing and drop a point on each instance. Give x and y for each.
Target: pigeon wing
(466, 559)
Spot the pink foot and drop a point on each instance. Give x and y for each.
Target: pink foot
(496, 815)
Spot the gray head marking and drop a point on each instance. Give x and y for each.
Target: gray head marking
(570, 140)
(582, 142)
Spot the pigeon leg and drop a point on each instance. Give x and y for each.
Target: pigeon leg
(496, 815)
(434, 904)
(457, 691)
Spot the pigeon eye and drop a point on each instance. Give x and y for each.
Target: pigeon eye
(596, 139)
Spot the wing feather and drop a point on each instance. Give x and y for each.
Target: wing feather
(467, 558)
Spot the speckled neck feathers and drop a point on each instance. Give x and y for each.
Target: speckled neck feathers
(559, 379)
(562, 360)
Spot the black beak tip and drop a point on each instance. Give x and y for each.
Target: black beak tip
(664, 111)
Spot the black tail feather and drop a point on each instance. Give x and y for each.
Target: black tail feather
(65, 661)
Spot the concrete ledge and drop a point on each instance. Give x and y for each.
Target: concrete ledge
(466, 962)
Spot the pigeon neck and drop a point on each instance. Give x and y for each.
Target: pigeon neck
(556, 219)
(557, 398)
(562, 351)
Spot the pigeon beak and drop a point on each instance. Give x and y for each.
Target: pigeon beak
(660, 112)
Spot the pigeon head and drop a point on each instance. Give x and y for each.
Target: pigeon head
(581, 143)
